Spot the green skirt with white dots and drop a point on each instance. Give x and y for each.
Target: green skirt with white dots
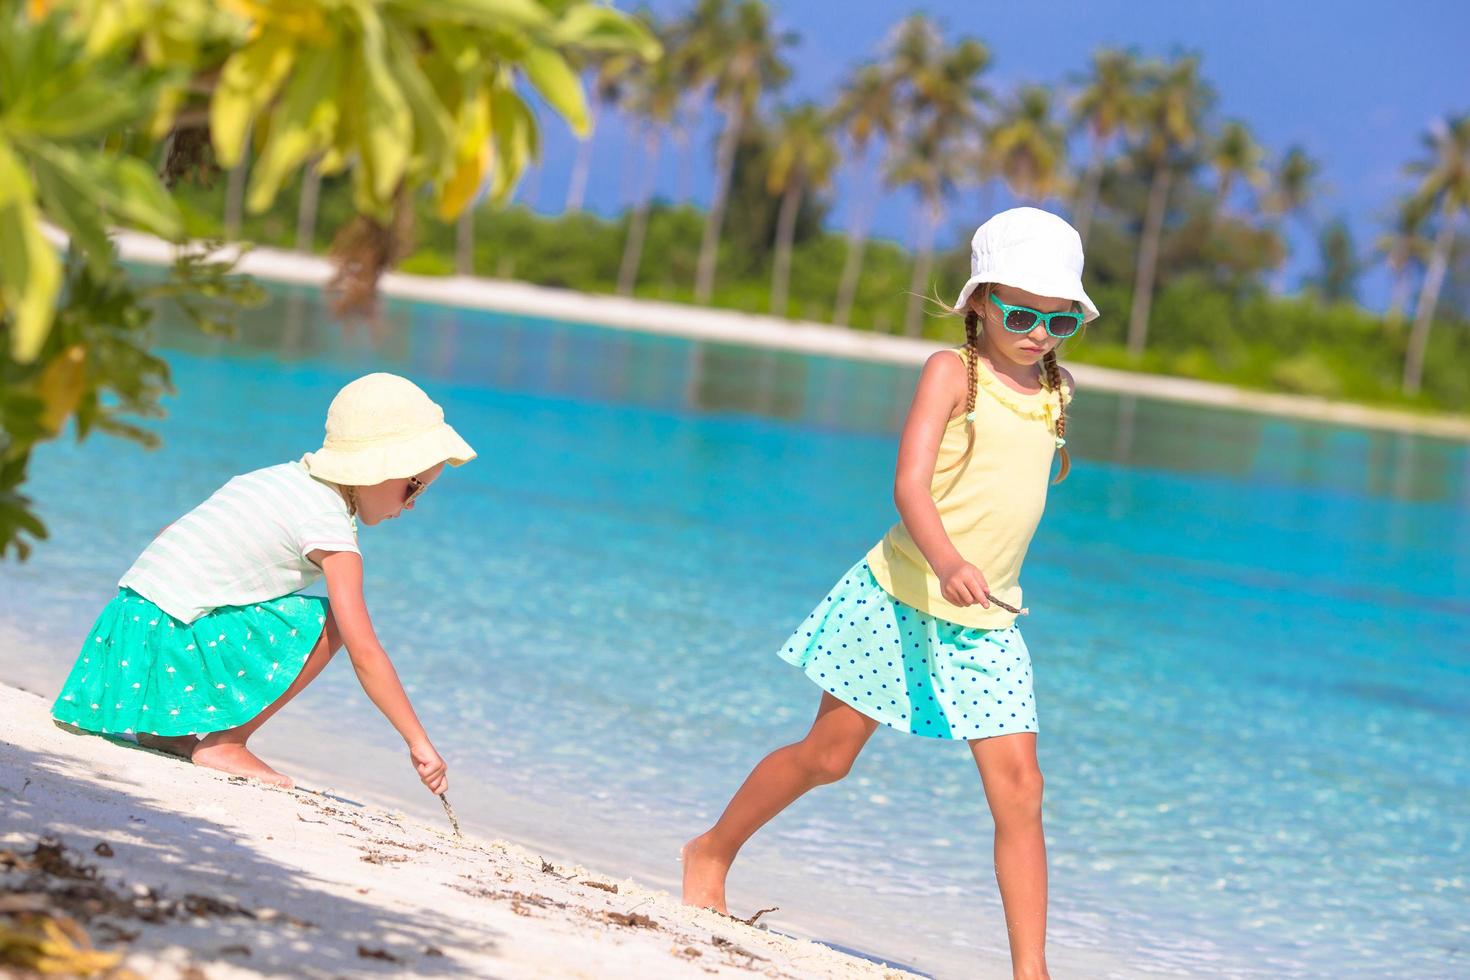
(141, 670)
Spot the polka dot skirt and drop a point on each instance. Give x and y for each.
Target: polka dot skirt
(910, 671)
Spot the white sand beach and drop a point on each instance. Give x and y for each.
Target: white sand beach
(194, 874)
(729, 326)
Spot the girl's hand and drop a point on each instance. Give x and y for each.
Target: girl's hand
(964, 585)
(430, 767)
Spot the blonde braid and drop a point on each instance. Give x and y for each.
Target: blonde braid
(972, 365)
(1054, 382)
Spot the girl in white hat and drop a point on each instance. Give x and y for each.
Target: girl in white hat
(207, 638)
(920, 635)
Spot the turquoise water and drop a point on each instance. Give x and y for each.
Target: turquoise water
(1249, 637)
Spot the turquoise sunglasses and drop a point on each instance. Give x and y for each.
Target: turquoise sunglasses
(1023, 319)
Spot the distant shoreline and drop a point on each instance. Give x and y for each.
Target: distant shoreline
(730, 326)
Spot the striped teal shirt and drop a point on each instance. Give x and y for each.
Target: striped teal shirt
(247, 543)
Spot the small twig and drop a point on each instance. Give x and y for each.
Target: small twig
(751, 921)
(1023, 611)
(453, 821)
(547, 868)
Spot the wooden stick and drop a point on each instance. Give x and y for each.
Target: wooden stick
(1023, 611)
(453, 821)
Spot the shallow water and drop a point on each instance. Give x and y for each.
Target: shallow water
(1249, 637)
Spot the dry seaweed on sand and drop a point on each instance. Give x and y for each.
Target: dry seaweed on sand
(726, 946)
(50, 858)
(631, 919)
(548, 868)
(65, 885)
(752, 920)
(605, 886)
(377, 954)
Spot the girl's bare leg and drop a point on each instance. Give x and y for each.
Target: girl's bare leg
(824, 756)
(1013, 788)
(226, 750)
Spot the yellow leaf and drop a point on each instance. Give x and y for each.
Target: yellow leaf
(305, 21)
(60, 386)
(303, 124)
(30, 272)
(471, 157)
(385, 127)
(559, 85)
(248, 81)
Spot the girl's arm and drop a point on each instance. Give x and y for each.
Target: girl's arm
(939, 398)
(374, 670)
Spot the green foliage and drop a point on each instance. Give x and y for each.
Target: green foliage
(395, 96)
(95, 367)
(1212, 318)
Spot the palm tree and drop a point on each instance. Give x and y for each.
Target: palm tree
(1445, 188)
(1235, 155)
(1172, 111)
(943, 93)
(1026, 146)
(803, 158)
(865, 108)
(464, 241)
(653, 98)
(1337, 282)
(609, 73)
(914, 48)
(306, 207)
(1402, 248)
(1107, 105)
(1292, 186)
(740, 55)
(235, 195)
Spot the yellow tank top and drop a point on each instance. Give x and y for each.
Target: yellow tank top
(989, 504)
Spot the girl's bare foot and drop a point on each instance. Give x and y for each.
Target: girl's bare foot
(235, 759)
(704, 876)
(179, 745)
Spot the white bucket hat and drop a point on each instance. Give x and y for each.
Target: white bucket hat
(383, 427)
(1029, 249)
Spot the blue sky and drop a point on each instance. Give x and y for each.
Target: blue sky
(1354, 82)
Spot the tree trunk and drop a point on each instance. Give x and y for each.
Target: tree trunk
(1398, 300)
(1148, 260)
(629, 179)
(709, 245)
(1091, 185)
(464, 241)
(785, 232)
(638, 224)
(1222, 191)
(581, 167)
(528, 191)
(923, 262)
(235, 196)
(311, 187)
(857, 234)
(1428, 300)
(684, 190)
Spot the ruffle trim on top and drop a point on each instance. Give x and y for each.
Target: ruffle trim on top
(1041, 405)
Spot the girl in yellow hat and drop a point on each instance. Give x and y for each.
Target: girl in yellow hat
(920, 635)
(207, 638)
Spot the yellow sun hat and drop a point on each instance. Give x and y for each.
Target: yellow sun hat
(383, 427)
